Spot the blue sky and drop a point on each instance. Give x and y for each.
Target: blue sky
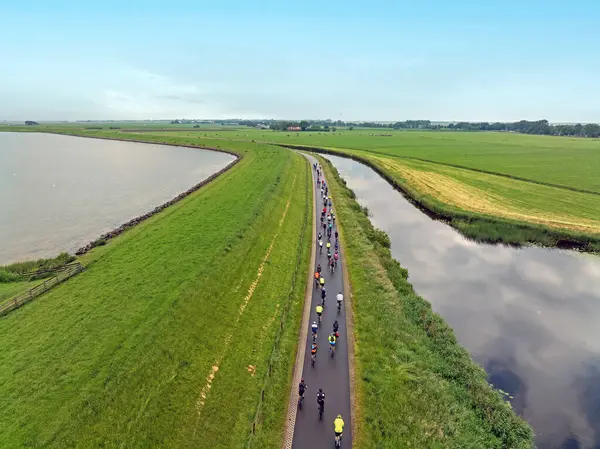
(376, 60)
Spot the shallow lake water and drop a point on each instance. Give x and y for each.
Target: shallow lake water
(60, 192)
(530, 316)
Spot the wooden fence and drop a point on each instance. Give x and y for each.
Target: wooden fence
(62, 274)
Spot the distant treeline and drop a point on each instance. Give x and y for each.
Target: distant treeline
(538, 127)
(541, 127)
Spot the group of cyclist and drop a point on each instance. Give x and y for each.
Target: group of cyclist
(327, 229)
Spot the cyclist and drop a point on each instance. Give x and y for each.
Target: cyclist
(319, 310)
(323, 293)
(330, 228)
(313, 352)
(322, 281)
(339, 298)
(320, 237)
(301, 389)
(331, 265)
(333, 218)
(320, 246)
(337, 244)
(317, 277)
(336, 329)
(314, 328)
(336, 235)
(329, 254)
(319, 270)
(331, 340)
(338, 427)
(328, 246)
(321, 399)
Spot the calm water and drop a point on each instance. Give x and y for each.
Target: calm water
(530, 316)
(60, 192)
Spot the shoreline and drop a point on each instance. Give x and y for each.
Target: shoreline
(104, 238)
(563, 240)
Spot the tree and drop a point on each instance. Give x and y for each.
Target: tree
(304, 124)
(351, 128)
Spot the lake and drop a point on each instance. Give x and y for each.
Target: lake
(60, 192)
(529, 316)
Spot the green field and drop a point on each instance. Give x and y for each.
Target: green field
(166, 339)
(496, 187)
(417, 387)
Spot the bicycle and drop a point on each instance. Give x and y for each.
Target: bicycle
(321, 409)
(338, 441)
(300, 400)
(313, 359)
(332, 350)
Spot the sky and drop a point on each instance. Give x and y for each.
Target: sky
(348, 60)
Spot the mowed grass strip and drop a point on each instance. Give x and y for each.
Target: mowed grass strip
(118, 356)
(416, 386)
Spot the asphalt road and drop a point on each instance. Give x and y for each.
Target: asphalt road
(330, 374)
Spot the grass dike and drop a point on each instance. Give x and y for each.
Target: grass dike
(119, 356)
(416, 386)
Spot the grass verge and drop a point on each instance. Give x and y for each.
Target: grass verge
(121, 355)
(416, 386)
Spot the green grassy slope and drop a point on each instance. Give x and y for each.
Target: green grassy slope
(121, 354)
(417, 387)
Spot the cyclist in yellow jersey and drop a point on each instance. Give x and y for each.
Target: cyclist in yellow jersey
(319, 310)
(322, 281)
(338, 426)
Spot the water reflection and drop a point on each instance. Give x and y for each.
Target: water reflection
(59, 192)
(529, 316)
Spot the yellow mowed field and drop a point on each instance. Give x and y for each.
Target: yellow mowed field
(496, 195)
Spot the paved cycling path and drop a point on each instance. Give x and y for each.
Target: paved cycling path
(330, 374)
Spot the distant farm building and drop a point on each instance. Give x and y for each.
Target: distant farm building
(31, 122)
(294, 128)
